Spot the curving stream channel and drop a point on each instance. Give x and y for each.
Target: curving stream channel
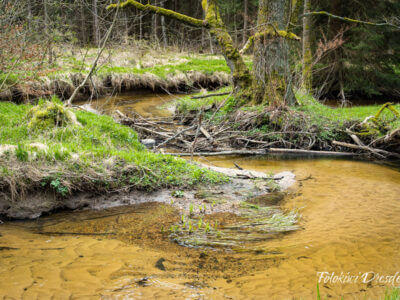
(349, 223)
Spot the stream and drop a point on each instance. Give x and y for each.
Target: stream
(349, 222)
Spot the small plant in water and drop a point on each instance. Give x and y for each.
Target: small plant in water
(213, 204)
(191, 209)
(190, 227)
(200, 223)
(216, 225)
(207, 228)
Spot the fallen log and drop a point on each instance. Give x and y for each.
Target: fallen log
(232, 152)
(309, 152)
(382, 153)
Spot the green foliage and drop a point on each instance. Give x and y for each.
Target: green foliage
(58, 187)
(203, 64)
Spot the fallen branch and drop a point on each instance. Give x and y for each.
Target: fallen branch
(206, 134)
(210, 95)
(312, 152)
(175, 136)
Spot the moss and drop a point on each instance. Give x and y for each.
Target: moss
(50, 114)
(271, 32)
(242, 79)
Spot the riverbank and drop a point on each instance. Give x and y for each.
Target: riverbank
(47, 156)
(119, 70)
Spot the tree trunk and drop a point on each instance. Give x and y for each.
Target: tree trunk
(47, 30)
(271, 55)
(245, 20)
(163, 29)
(307, 52)
(84, 39)
(29, 15)
(96, 29)
(242, 79)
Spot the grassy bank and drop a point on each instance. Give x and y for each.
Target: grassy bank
(40, 150)
(118, 70)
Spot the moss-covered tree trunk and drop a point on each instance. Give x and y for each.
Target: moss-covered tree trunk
(242, 79)
(271, 79)
(271, 55)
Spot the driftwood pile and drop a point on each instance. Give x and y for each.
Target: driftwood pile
(192, 135)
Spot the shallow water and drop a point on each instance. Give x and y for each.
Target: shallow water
(349, 224)
(146, 103)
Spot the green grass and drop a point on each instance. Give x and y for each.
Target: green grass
(204, 65)
(339, 116)
(101, 146)
(393, 294)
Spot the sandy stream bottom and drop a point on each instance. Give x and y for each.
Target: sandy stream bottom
(350, 219)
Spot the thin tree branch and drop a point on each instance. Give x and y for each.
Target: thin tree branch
(162, 11)
(318, 13)
(83, 83)
(269, 32)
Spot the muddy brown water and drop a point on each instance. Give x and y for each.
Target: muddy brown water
(143, 102)
(349, 223)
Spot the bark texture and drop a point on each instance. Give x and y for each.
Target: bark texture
(271, 55)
